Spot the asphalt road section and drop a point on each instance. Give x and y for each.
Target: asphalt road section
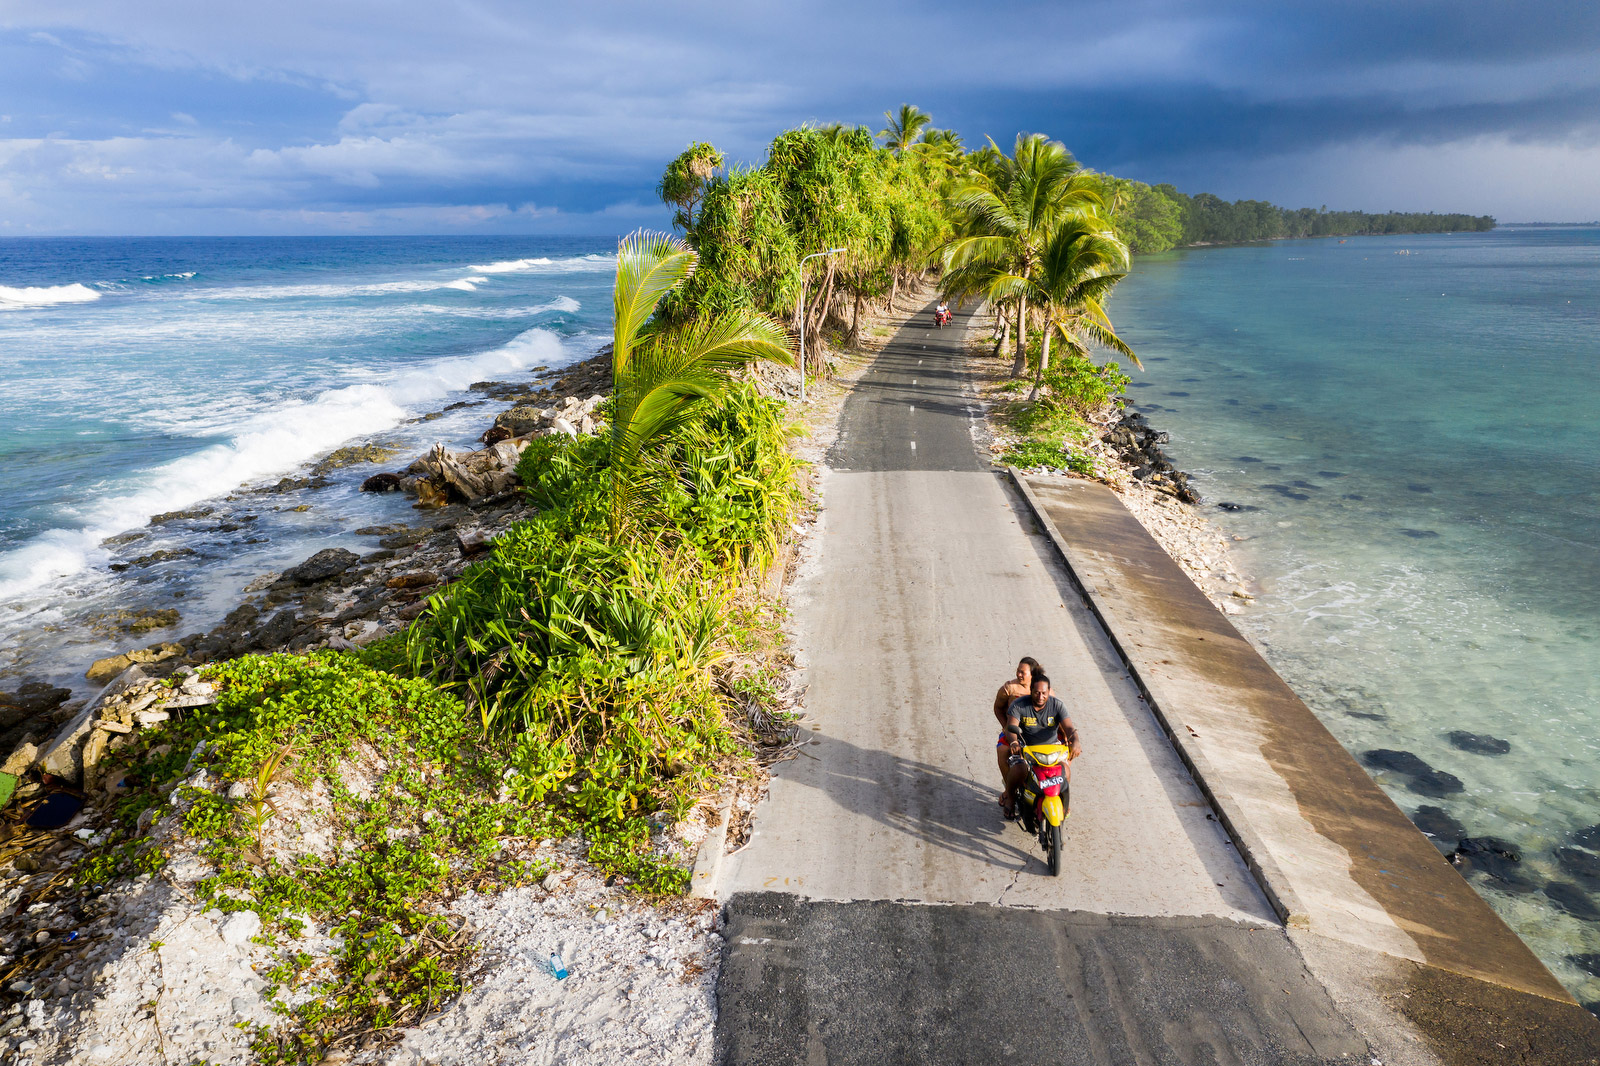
(931, 582)
(886, 984)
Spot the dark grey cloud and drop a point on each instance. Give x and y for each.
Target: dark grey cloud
(368, 114)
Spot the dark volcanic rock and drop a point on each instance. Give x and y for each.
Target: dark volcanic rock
(1440, 825)
(1589, 964)
(276, 632)
(403, 539)
(1479, 743)
(329, 562)
(1402, 762)
(40, 697)
(1248, 459)
(381, 483)
(1415, 487)
(1238, 507)
(495, 434)
(1572, 899)
(1496, 859)
(1583, 865)
(1417, 534)
(1437, 783)
(174, 516)
(154, 557)
(1588, 838)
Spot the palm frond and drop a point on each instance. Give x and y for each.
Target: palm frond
(649, 265)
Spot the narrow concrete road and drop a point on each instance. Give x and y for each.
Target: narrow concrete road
(862, 917)
(932, 581)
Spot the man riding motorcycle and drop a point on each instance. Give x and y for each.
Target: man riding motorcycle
(1037, 718)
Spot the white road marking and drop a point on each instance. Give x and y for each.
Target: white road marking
(913, 407)
(913, 445)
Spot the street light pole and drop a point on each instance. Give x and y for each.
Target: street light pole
(801, 300)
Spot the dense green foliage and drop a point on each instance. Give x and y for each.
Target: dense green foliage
(594, 656)
(819, 189)
(1156, 218)
(665, 374)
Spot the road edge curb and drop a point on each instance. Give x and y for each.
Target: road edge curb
(706, 874)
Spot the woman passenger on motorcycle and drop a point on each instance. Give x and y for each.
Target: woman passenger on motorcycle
(1037, 718)
(1016, 688)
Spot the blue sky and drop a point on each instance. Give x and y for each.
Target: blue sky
(499, 117)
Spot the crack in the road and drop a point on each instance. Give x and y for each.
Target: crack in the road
(1016, 875)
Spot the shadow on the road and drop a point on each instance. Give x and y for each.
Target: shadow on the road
(944, 810)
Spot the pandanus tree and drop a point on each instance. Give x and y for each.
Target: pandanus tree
(664, 376)
(1068, 286)
(685, 181)
(1006, 217)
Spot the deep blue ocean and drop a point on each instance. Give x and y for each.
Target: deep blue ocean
(146, 376)
(1410, 428)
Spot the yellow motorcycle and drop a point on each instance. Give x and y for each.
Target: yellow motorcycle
(1040, 800)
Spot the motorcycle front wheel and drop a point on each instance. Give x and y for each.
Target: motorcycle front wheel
(1055, 851)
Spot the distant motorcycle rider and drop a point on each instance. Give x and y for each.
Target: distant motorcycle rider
(1037, 718)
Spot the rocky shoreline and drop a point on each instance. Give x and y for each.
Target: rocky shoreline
(336, 598)
(55, 948)
(1126, 454)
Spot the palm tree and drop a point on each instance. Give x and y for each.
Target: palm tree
(663, 377)
(1008, 214)
(1080, 266)
(904, 125)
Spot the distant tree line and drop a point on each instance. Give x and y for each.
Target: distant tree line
(1154, 218)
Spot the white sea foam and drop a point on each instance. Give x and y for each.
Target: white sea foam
(186, 275)
(46, 295)
(518, 266)
(265, 445)
(334, 290)
(564, 304)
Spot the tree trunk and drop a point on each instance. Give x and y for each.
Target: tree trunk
(1002, 329)
(855, 320)
(1044, 362)
(894, 288)
(1020, 363)
(819, 310)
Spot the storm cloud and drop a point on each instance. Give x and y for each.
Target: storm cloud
(493, 116)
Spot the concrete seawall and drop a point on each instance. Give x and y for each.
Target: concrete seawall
(1336, 858)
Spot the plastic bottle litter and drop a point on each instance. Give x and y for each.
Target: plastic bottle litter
(557, 970)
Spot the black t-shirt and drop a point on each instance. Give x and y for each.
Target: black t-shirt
(1039, 726)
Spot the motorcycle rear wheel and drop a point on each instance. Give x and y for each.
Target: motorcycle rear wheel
(1054, 857)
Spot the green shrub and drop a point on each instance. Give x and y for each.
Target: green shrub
(1036, 453)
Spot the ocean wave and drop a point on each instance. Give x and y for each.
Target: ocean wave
(265, 445)
(518, 266)
(467, 284)
(46, 295)
(185, 276)
(564, 304)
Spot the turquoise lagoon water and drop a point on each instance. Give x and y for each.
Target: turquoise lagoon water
(145, 376)
(1415, 422)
